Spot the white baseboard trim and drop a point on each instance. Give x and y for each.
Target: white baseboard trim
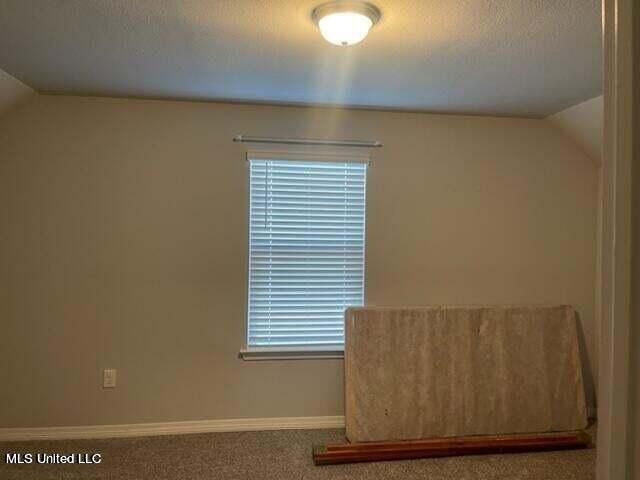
(176, 428)
(170, 428)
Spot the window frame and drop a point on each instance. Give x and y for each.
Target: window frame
(298, 352)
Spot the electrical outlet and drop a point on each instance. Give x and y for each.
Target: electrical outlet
(109, 378)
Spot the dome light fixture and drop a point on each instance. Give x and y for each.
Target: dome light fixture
(344, 22)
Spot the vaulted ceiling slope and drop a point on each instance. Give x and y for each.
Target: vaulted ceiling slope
(516, 57)
(12, 92)
(583, 124)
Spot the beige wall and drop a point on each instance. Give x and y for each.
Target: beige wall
(583, 124)
(125, 237)
(12, 92)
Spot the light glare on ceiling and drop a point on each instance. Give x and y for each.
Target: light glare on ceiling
(345, 23)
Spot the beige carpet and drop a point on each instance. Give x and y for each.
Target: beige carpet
(278, 455)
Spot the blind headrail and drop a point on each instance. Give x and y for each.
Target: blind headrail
(308, 141)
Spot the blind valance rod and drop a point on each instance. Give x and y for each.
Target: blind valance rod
(308, 141)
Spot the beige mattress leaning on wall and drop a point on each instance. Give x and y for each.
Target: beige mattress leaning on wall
(424, 372)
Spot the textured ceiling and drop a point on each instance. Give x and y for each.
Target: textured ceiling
(510, 57)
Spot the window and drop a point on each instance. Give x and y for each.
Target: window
(306, 251)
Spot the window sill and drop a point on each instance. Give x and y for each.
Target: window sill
(292, 353)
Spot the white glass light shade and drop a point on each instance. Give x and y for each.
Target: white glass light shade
(345, 28)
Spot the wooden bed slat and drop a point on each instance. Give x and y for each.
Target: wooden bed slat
(445, 447)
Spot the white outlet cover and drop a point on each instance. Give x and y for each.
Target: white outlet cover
(109, 378)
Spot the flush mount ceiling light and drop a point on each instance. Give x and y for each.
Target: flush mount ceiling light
(345, 22)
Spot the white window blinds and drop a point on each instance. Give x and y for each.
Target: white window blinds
(306, 250)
